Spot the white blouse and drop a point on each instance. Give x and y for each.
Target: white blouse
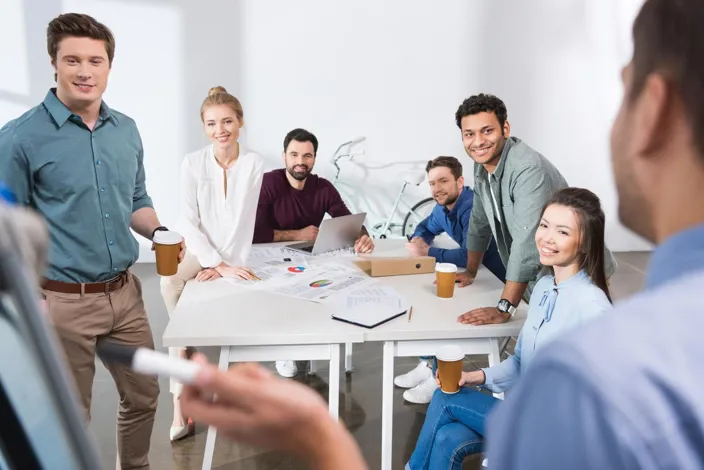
(218, 228)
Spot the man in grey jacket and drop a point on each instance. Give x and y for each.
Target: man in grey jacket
(512, 183)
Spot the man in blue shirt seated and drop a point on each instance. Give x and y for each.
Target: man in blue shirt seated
(450, 215)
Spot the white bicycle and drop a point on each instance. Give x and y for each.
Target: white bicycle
(390, 227)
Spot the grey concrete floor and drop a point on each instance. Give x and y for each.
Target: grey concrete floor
(360, 400)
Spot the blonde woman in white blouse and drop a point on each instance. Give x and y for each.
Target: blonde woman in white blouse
(220, 189)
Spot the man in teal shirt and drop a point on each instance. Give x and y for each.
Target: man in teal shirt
(79, 164)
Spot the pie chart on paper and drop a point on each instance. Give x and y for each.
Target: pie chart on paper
(297, 269)
(320, 283)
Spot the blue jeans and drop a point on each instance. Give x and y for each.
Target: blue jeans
(453, 429)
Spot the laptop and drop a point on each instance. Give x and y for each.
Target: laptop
(334, 234)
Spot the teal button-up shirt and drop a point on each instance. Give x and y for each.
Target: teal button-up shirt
(85, 183)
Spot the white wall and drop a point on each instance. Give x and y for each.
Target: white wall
(391, 70)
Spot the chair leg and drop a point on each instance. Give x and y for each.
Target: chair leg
(313, 368)
(348, 358)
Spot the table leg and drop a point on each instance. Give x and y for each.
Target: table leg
(334, 385)
(348, 358)
(212, 432)
(387, 405)
(495, 358)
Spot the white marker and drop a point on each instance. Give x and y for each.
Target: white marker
(149, 362)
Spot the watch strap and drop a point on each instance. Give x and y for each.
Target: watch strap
(160, 228)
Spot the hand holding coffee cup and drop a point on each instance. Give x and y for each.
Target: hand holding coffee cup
(445, 276)
(449, 359)
(167, 246)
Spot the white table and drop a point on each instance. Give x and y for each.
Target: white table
(253, 325)
(249, 325)
(433, 324)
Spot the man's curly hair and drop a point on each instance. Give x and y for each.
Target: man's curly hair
(482, 103)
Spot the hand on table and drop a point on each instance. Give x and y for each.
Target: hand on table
(464, 278)
(234, 271)
(364, 244)
(417, 247)
(484, 316)
(208, 274)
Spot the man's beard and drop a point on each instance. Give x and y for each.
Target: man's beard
(298, 175)
(449, 200)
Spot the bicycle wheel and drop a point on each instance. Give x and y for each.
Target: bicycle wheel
(422, 209)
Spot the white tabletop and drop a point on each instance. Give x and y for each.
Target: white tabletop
(217, 313)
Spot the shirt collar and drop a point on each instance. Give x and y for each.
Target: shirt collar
(60, 113)
(679, 255)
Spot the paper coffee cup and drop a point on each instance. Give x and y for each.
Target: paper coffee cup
(167, 246)
(445, 276)
(449, 360)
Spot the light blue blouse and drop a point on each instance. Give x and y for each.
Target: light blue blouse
(552, 311)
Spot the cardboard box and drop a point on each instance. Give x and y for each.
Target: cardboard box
(401, 266)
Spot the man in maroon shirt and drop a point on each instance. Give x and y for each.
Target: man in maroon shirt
(293, 202)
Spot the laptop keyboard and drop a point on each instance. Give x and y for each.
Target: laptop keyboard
(306, 248)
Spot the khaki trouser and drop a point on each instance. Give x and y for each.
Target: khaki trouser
(171, 290)
(119, 317)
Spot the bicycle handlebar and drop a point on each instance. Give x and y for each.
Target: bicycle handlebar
(337, 155)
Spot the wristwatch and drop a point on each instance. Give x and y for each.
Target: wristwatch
(160, 228)
(505, 306)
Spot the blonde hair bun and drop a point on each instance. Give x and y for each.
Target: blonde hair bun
(215, 90)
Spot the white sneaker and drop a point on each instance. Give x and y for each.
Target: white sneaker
(286, 369)
(414, 377)
(421, 393)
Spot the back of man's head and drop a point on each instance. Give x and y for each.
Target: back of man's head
(657, 139)
(668, 38)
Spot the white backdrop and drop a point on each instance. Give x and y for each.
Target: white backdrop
(394, 71)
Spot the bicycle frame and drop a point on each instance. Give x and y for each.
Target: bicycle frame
(385, 229)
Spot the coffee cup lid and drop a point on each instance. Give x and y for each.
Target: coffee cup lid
(449, 353)
(163, 237)
(446, 268)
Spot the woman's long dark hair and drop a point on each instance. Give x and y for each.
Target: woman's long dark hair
(587, 207)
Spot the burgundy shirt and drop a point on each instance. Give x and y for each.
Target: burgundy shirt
(282, 207)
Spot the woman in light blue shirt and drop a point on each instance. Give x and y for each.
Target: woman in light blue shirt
(570, 240)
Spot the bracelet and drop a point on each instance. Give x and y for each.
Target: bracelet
(160, 228)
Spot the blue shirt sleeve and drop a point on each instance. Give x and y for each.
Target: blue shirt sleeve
(456, 256)
(555, 418)
(140, 199)
(502, 376)
(428, 228)
(14, 166)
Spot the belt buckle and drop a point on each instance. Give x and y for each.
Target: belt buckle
(112, 281)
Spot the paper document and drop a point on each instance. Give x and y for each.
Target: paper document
(316, 283)
(371, 305)
(265, 252)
